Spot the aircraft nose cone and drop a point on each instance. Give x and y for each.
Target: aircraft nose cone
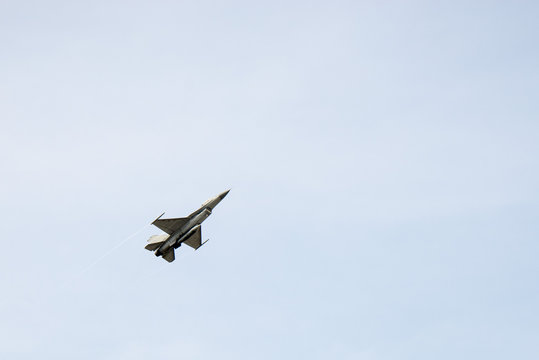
(222, 196)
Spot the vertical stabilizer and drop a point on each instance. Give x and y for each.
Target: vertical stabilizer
(169, 256)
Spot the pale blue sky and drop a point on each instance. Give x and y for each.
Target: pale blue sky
(383, 159)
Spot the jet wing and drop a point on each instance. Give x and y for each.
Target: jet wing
(194, 240)
(170, 226)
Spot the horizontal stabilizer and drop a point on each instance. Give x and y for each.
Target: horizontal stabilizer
(155, 241)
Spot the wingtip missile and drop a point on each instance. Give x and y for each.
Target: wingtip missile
(158, 218)
(205, 241)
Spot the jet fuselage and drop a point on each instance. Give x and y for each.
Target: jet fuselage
(191, 226)
(176, 239)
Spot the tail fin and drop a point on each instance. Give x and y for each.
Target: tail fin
(155, 241)
(169, 256)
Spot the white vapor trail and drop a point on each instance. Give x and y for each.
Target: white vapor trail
(107, 253)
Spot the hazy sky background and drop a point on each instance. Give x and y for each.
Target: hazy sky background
(383, 159)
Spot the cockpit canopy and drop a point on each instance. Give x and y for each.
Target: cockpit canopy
(207, 202)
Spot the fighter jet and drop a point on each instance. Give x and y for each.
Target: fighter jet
(181, 230)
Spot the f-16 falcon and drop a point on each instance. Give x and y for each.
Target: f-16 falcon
(181, 230)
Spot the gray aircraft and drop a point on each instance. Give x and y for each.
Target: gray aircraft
(181, 230)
